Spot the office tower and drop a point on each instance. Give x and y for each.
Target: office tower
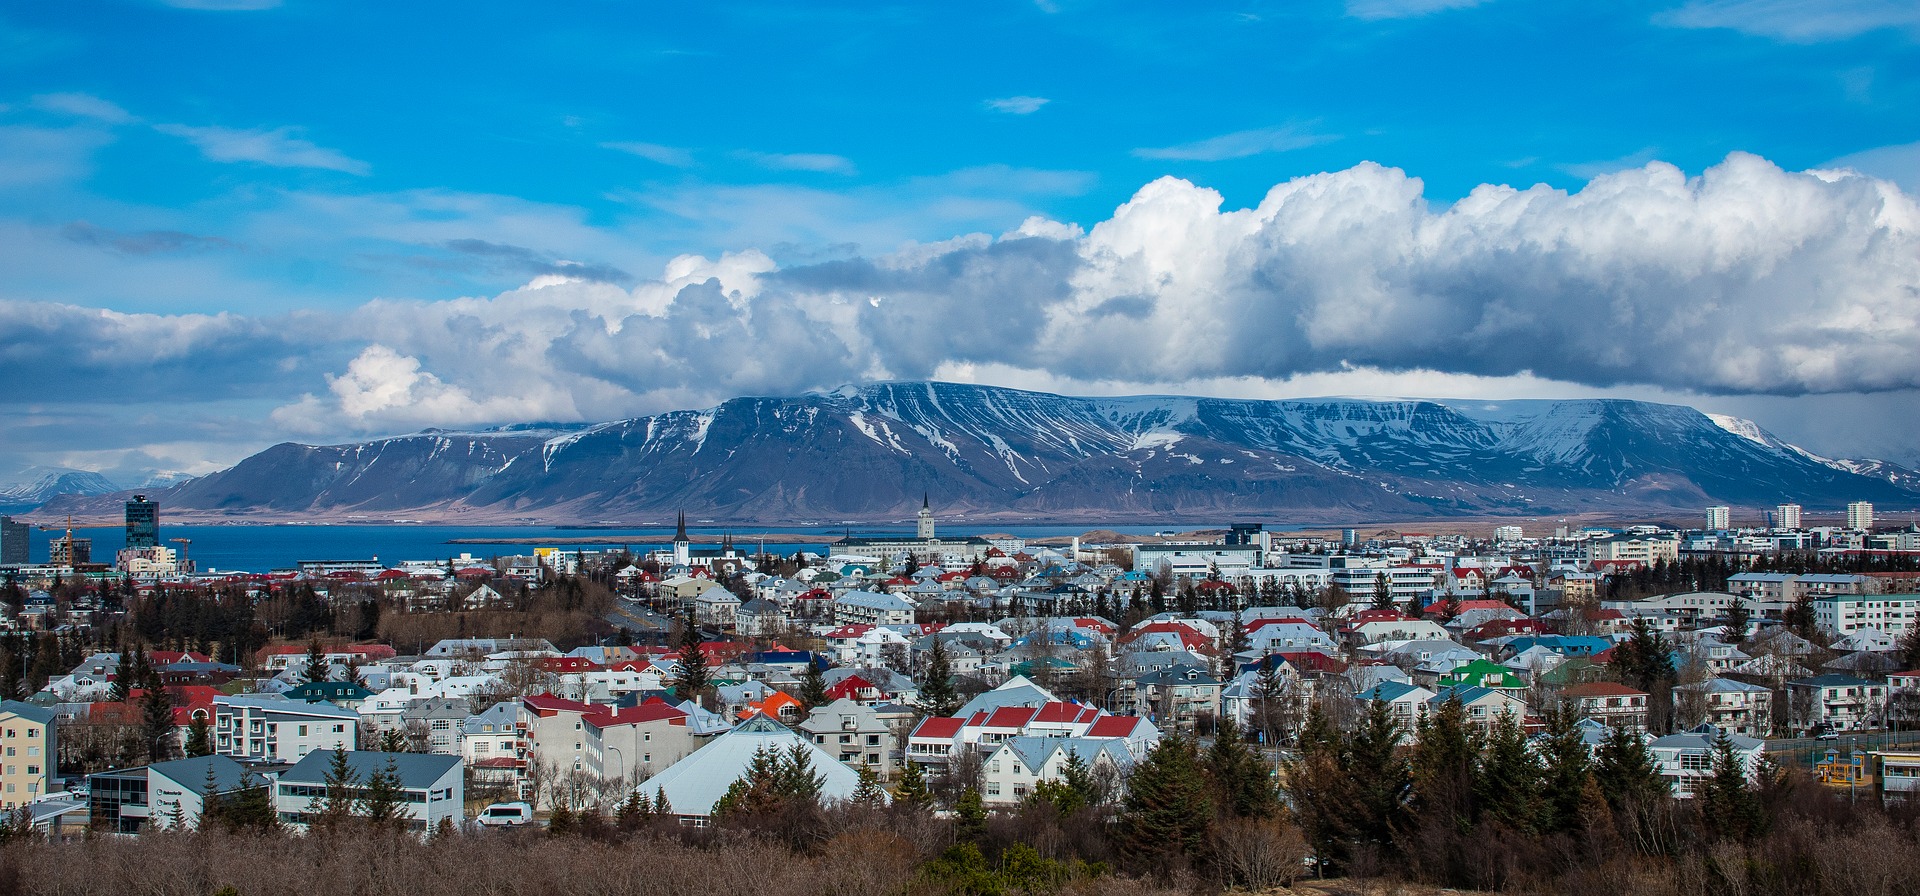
(1719, 517)
(1787, 516)
(70, 551)
(143, 523)
(1860, 516)
(13, 541)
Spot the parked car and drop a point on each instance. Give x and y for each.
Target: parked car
(506, 815)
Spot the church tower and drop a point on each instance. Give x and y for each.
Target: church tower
(926, 519)
(682, 545)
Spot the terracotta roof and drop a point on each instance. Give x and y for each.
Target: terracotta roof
(939, 727)
(1114, 726)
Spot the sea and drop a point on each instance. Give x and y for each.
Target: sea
(264, 548)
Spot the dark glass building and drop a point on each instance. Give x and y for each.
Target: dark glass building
(13, 542)
(143, 523)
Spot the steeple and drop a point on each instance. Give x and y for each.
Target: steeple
(682, 545)
(681, 534)
(926, 518)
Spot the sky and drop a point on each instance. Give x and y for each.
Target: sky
(230, 223)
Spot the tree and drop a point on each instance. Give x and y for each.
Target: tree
(634, 812)
(1242, 787)
(385, 799)
(911, 792)
(1729, 807)
(156, 722)
(1166, 812)
(1566, 771)
(1800, 618)
(331, 810)
(868, 794)
(1443, 766)
(937, 693)
(813, 686)
(1507, 785)
(969, 817)
(317, 670)
(694, 674)
(1739, 617)
(1382, 591)
(199, 739)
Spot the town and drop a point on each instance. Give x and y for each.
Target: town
(973, 678)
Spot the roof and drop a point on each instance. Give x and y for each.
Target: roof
(1115, 726)
(28, 711)
(938, 727)
(228, 775)
(694, 784)
(1601, 689)
(416, 770)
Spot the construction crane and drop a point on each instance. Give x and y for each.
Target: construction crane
(186, 556)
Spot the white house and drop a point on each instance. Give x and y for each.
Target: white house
(1686, 759)
(432, 785)
(1016, 765)
(274, 729)
(872, 608)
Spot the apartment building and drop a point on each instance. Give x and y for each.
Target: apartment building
(28, 750)
(274, 729)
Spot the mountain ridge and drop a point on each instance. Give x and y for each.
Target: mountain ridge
(870, 453)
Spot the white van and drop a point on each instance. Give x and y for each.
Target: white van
(504, 815)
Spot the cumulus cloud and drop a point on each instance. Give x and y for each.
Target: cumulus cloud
(1018, 105)
(1238, 145)
(1745, 280)
(278, 147)
(1797, 20)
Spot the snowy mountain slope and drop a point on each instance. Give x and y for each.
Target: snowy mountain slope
(871, 452)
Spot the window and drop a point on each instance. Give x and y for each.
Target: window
(337, 729)
(303, 731)
(993, 788)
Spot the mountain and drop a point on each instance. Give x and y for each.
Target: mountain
(44, 485)
(872, 452)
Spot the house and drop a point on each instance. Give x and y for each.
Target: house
(630, 743)
(486, 744)
(1616, 705)
(1406, 702)
(1844, 614)
(432, 786)
(164, 795)
(1686, 759)
(1837, 702)
(760, 618)
(1015, 766)
(434, 723)
(553, 733)
(1483, 706)
(1178, 697)
(870, 608)
(693, 785)
(1735, 707)
(1482, 674)
(855, 734)
(29, 738)
(275, 729)
(715, 607)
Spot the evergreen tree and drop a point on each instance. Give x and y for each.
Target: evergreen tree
(937, 694)
(634, 812)
(911, 791)
(385, 799)
(156, 723)
(1382, 591)
(694, 674)
(1241, 786)
(1566, 773)
(1800, 618)
(969, 817)
(199, 739)
(393, 740)
(1167, 811)
(1729, 807)
(317, 671)
(1738, 619)
(1443, 766)
(1415, 608)
(1626, 773)
(1507, 785)
(661, 807)
(813, 686)
(331, 811)
(868, 794)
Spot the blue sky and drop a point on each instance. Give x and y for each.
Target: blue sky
(225, 223)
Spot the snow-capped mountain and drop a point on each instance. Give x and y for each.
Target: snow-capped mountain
(871, 452)
(46, 484)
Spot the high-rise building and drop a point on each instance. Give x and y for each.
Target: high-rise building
(1719, 517)
(1507, 533)
(925, 528)
(1860, 516)
(69, 551)
(13, 541)
(1787, 516)
(143, 523)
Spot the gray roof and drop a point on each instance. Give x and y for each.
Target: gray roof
(874, 601)
(695, 783)
(28, 711)
(228, 775)
(416, 770)
(278, 703)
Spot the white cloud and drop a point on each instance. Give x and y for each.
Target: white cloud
(1238, 145)
(1403, 9)
(1799, 21)
(81, 105)
(1018, 105)
(800, 161)
(673, 156)
(278, 147)
(1900, 164)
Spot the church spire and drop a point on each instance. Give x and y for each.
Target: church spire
(681, 533)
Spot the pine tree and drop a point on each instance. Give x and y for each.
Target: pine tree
(1507, 786)
(156, 722)
(868, 794)
(937, 694)
(1382, 591)
(385, 798)
(1443, 765)
(911, 791)
(199, 739)
(969, 817)
(1729, 807)
(634, 812)
(694, 674)
(1566, 773)
(1739, 617)
(331, 811)
(813, 686)
(1241, 786)
(1628, 778)
(1167, 811)
(317, 671)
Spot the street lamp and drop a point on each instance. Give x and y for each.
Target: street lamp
(623, 760)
